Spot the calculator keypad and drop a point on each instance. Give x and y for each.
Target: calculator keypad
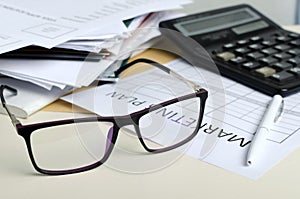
(275, 58)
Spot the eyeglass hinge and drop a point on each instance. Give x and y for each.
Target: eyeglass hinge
(192, 84)
(15, 121)
(13, 118)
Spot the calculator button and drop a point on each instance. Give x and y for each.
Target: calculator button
(268, 60)
(241, 51)
(242, 42)
(295, 71)
(229, 46)
(294, 35)
(282, 65)
(282, 56)
(282, 47)
(294, 51)
(268, 43)
(250, 65)
(238, 60)
(256, 39)
(256, 46)
(294, 61)
(225, 56)
(295, 43)
(283, 38)
(266, 71)
(282, 76)
(269, 51)
(255, 55)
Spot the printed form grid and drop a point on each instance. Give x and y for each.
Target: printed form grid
(241, 103)
(248, 106)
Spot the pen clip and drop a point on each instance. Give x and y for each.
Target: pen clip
(280, 112)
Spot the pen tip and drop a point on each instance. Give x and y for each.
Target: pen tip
(249, 162)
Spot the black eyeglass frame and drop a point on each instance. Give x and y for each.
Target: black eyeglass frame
(118, 122)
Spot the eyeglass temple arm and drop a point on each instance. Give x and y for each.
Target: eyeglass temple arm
(13, 118)
(195, 86)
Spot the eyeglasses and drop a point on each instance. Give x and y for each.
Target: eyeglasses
(77, 145)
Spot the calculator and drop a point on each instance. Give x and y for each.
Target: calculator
(246, 46)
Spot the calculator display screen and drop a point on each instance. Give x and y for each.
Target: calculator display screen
(216, 22)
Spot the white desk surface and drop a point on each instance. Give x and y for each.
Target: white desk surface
(185, 178)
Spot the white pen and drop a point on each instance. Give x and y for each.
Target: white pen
(271, 115)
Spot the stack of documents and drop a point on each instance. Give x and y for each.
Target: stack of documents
(51, 23)
(94, 30)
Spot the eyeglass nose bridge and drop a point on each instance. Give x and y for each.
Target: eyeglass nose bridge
(130, 120)
(121, 121)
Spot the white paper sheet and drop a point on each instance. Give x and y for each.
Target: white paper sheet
(229, 123)
(9, 43)
(49, 23)
(30, 97)
(39, 82)
(96, 39)
(142, 33)
(72, 73)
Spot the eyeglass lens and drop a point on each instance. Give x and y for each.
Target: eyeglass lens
(170, 125)
(71, 146)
